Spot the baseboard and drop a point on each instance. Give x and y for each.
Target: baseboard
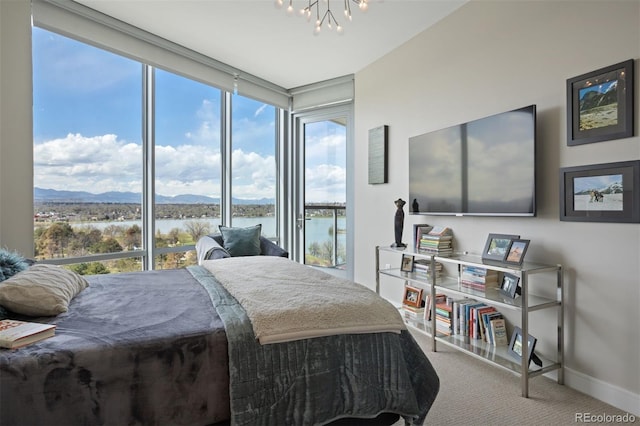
(613, 395)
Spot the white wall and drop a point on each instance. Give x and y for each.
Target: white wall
(493, 56)
(16, 135)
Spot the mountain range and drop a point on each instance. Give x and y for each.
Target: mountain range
(51, 195)
(613, 188)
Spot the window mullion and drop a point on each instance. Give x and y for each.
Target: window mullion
(226, 158)
(148, 159)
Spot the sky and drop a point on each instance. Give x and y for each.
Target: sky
(588, 183)
(88, 130)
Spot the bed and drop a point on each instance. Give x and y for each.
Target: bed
(178, 347)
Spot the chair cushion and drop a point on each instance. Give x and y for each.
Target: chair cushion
(241, 241)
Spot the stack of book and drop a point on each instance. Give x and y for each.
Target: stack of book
(438, 241)
(478, 278)
(444, 318)
(422, 269)
(412, 311)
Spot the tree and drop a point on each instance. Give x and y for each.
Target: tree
(84, 239)
(174, 235)
(109, 245)
(197, 229)
(92, 268)
(53, 242)
(113, 231)
(327, 251)
(133, 237)
(314, 249)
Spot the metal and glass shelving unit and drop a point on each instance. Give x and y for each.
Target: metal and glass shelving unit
(524, 304)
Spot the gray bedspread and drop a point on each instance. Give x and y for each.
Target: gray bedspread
(143, 348)
(316, 381)
(150, 348)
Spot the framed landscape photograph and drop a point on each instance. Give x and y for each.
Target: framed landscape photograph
(608, 192)
(600, 104)
(515, 346)
(509, 285)
(407, 263)
(412, 296)
(516, 252)
(497, 245)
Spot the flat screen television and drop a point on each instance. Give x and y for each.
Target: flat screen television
(486, 167)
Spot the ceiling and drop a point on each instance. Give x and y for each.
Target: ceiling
(261, 39)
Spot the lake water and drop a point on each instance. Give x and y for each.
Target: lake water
(317, 228)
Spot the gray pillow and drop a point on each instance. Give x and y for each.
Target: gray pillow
(242, 241)
(41, 290)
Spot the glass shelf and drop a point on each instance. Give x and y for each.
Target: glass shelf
(493, 295)
(419, 279)
(476, 260)
(497, 355)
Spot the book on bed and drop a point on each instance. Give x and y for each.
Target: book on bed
(15, 334)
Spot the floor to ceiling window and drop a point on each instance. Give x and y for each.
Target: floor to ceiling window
(253, 165)
(87, 153)
(187, 166)
(94, 166)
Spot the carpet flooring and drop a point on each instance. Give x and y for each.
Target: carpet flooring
(473, 392)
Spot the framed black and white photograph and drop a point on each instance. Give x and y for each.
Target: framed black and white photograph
(497, 246)
(516, 252)
(600, 104)
(608, 192)
(407, 263)
(515, 346)
(509, 286)
(412, 296)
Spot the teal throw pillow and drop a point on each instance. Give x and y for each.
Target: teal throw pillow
(241, 241)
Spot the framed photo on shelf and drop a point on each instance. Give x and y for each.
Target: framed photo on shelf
(600, 104)
(515, 346)
(516, 252)
(412, 296)
(418, 231)
(608, 192)
(407, 263)
(497, 246)
(509, 286)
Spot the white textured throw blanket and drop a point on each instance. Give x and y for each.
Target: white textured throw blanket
(288, 301)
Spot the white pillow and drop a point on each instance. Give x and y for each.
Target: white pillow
(41, 290)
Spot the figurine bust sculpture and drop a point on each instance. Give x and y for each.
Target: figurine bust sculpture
(398, 223)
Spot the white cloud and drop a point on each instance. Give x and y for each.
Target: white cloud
(325, 183)
(209, 129)
(326, 149)
(259, 110)
(104, 163)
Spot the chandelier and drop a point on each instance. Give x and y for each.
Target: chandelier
(324, 16)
